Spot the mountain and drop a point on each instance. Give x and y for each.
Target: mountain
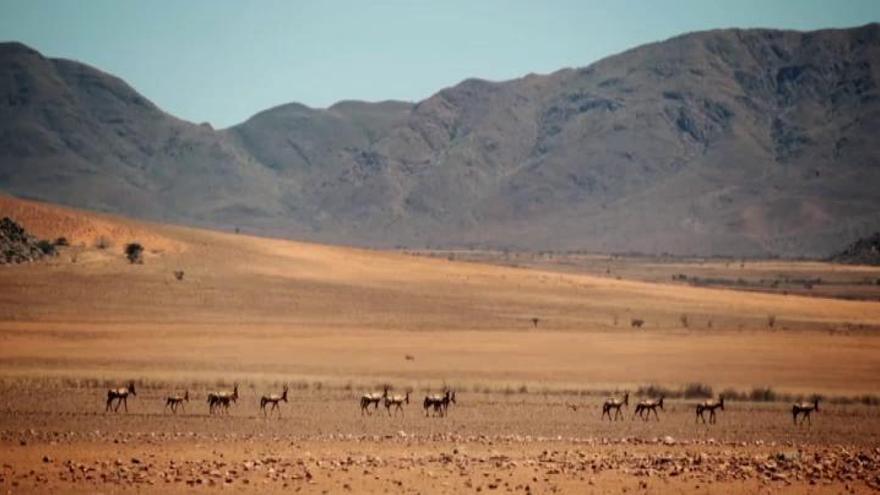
(730, 142)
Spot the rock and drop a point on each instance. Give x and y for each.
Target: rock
(17, 246)
(668, 440)
(788, 456)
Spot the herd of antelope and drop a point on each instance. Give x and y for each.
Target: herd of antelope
(219, 402)
(437, 405)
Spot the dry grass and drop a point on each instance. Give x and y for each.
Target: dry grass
(260, 309)
(334, 322)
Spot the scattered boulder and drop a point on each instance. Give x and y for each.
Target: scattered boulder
(17, 246)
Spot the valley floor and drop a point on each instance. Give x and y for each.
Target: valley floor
(531, 352)
(511, 443)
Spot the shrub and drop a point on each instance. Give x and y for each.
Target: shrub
(46, 247)
(655, 391)
(697, 391)
(771, 321)
(733, 394)
(684, 320)
(134, 252)
(178, 274)
(102, 243)
(762, 394)
(61, 241)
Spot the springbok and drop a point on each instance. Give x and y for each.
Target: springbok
(273, 399)
(645, 407)
(615, 403)
(120, 395)
(397, 401)
(711, 406)
(224, 399)
(806, 409)
(175, 401)
(373, 399)
(440, 403)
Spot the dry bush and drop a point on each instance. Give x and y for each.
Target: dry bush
(656, 391)
(763, 394)
(47, 248)
(697, 391)
(134, 252)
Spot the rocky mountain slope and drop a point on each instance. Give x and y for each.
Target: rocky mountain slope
(733, 142)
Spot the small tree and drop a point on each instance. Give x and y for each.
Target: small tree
(46, 248)
(133, 252)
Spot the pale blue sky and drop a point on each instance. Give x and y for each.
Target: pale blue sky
(222, 61)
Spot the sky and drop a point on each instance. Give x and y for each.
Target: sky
(221, 61)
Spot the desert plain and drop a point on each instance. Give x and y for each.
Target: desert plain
(531, 351)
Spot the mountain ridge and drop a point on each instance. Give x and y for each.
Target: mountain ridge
(728, 142)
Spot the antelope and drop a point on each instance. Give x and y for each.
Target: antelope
(614, 403)
(397, 401)
(806, 409)
(176, 401)
(645, 407)
(372, 399)
(440, 403)
(711, 406)
(224, 398)
(273, 399)
(120, 395)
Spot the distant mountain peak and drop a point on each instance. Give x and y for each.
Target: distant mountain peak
(727, 142)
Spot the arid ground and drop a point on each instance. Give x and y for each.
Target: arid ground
(531, 352)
